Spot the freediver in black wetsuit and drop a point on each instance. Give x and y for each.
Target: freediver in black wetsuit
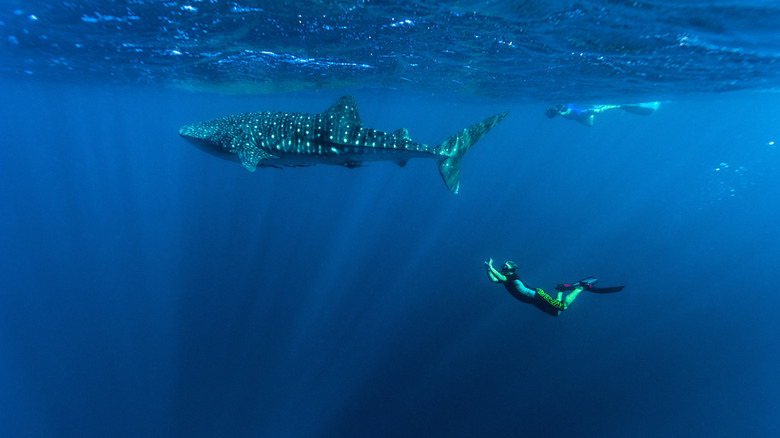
(539, 298)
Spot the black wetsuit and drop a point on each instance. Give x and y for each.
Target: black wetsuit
(540, 299)
(512, 285)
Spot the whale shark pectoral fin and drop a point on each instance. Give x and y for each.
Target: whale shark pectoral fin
(250, 155)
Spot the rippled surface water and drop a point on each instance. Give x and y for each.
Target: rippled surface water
(533, 50)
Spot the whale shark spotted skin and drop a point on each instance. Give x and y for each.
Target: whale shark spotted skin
(336, 136)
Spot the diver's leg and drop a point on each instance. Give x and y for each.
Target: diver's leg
(571, 297)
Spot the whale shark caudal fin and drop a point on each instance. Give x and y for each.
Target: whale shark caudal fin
(453, 149)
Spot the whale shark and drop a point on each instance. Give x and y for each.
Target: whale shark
(336, 137)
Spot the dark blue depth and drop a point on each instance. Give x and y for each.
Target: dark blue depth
(149, 289)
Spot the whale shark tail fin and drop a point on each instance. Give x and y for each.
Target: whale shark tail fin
(452, 149)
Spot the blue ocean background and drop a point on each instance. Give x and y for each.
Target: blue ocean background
(150, 289)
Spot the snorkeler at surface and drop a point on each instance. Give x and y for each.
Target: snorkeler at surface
(586, 114)
(539, 298)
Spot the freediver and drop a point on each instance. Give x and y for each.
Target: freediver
(586, 114)
(539, 298)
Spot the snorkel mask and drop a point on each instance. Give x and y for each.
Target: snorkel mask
(509, 267)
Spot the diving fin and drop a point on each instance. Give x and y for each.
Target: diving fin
(587, 284)
(605, 290)
(643, 109)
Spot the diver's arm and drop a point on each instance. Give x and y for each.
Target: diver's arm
(493, 275)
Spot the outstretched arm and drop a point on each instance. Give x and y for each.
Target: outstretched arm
(493, 275)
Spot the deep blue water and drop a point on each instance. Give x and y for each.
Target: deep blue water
(150, 289)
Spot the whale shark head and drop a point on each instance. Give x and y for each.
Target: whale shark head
(200, 134)
(208, 137)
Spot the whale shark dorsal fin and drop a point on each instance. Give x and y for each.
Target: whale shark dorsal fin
(402, 133)
(345, 109)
